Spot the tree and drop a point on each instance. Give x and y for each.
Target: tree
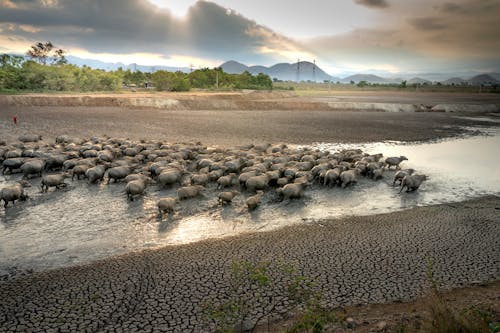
(169, 81)
(10, 60)
(263, 81)
(60, 57)
(44, 52)
(362, 84)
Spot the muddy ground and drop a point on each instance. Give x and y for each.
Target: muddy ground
(227, 118)
(231, 127)
(356, 260)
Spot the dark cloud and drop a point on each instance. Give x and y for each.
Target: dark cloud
(132, 26)
(373, 3)
(428, 23)
(426, 34)
(470, 7)
(451, 7)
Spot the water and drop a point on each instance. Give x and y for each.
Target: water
(84, 222)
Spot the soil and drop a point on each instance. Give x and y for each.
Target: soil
(413, 316)
(34, 299)
(215, 127)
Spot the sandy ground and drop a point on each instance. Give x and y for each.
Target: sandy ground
(231, 127)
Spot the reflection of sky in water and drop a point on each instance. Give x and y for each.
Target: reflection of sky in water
(458, 168)
(83, 223)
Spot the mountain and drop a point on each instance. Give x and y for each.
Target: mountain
(108, 66)
(418, 80)
(370, 78)
(496, 76)
(482, 79)
(454, 81)
(234, 67)
(302, 71)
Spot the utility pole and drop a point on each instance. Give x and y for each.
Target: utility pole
(217, 79)
(190, 68)
(298, 70)
(314, 70)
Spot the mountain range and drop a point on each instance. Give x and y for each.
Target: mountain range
(304, 71)
(307, 71)
(299, 71)
(113, 66)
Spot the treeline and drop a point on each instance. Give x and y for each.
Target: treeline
(19, 74)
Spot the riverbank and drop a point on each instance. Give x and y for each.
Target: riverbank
(229, 128)
(354, 260)
(384, 101)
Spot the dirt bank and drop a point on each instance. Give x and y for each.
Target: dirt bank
(359, 101)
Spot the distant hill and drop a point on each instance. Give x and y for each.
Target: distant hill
(418, 80)
(288, 72)
(109, 66)
(457, 81)
(303, 71)
(234, 67)
(496, 76)
(482, 79)
(370, 78)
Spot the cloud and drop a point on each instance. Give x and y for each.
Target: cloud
(450, 7)
(469, 7)
(434, 38)
(136, 26)
(7, 4)
(424, 35)
(428, 23)
(373, 3)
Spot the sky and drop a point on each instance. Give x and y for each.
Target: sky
(344, 36)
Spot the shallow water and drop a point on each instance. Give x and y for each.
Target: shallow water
(84, 222)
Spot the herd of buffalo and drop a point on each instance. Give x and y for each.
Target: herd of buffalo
(194, 168)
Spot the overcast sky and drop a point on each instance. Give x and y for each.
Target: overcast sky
(380, 36)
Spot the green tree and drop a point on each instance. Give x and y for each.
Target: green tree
(10, 70)
(362, 84)
(8, 60)
(46, 52)
(168, 81)
(264, 81)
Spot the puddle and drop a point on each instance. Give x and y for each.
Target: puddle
(82, 223)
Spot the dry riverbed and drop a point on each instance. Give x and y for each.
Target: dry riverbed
(354, 260)
(233, 127)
